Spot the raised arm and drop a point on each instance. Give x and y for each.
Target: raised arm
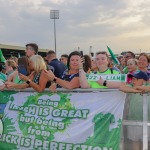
(82, 75)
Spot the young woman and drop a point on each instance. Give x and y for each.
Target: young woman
(102, 63)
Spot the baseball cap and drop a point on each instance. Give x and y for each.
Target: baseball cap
(139, 75)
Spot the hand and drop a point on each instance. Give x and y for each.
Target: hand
(81, 61)
(101, 81)
(2, 87)
(9, 85)
(49, 75)
(23, 77)
(53, 88)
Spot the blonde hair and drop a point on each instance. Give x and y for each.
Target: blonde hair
(12, 64)
(38, 63)
(132, 60)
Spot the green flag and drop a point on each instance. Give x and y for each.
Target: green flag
(2, 58)
(115, 60)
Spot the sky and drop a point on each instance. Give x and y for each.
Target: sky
(123, 25)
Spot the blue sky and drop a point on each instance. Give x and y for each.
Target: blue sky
(121, 24)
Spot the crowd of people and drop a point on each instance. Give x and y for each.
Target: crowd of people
(72, 71)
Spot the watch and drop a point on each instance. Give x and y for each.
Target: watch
(28, 82)
(54, 80)
(105, 83)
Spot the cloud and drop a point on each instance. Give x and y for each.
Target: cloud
(123, 25)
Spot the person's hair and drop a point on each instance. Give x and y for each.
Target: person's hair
(51, 52)
(65, 55)
(105, 53)
(87, 63)
(25, 62)
(38, 63)
(132, 60)
(132, 54)
(70, 55)
(102, 52)
(14, 58)
(34, 46)
(147, 57)
(12, 63)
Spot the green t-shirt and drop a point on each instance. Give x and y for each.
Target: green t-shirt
(94, 84)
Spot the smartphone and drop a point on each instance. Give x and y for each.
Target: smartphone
(81, 52)
(92, 54)
(22, 70)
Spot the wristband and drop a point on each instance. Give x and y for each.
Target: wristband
(105, 83)
(28, 82)
(54, 80)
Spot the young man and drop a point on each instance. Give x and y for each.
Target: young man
(31, 49)
(64, 59)
(139, 78)
(56, 66)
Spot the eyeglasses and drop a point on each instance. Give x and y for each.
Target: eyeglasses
(29, 48)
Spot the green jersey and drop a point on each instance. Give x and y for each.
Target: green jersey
(94, 84)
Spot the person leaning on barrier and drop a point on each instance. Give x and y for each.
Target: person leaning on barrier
(102, 62)
(14, 80)
(36, 79)
(70, 77)
(139, 78)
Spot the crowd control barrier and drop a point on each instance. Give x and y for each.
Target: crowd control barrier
(79, 119)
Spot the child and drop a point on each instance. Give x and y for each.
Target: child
(132, 67)
(139, 78)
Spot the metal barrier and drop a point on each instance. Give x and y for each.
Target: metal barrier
(134, 126)
(134, 129)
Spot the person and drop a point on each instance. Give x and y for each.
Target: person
(3, 77)
(23, 62)
(64, 59)
(56, 66)
(31, 49)
(128, 56)
(36, 79)
(70, 77)
(122, 64)
(102, 62)
(10, 67)
(132, 67)
(143, 62)
(87, 63)
(93, 65)
(14, 58)
(139, 78)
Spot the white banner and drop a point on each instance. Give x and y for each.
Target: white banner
(62, 121)
(111, 77)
